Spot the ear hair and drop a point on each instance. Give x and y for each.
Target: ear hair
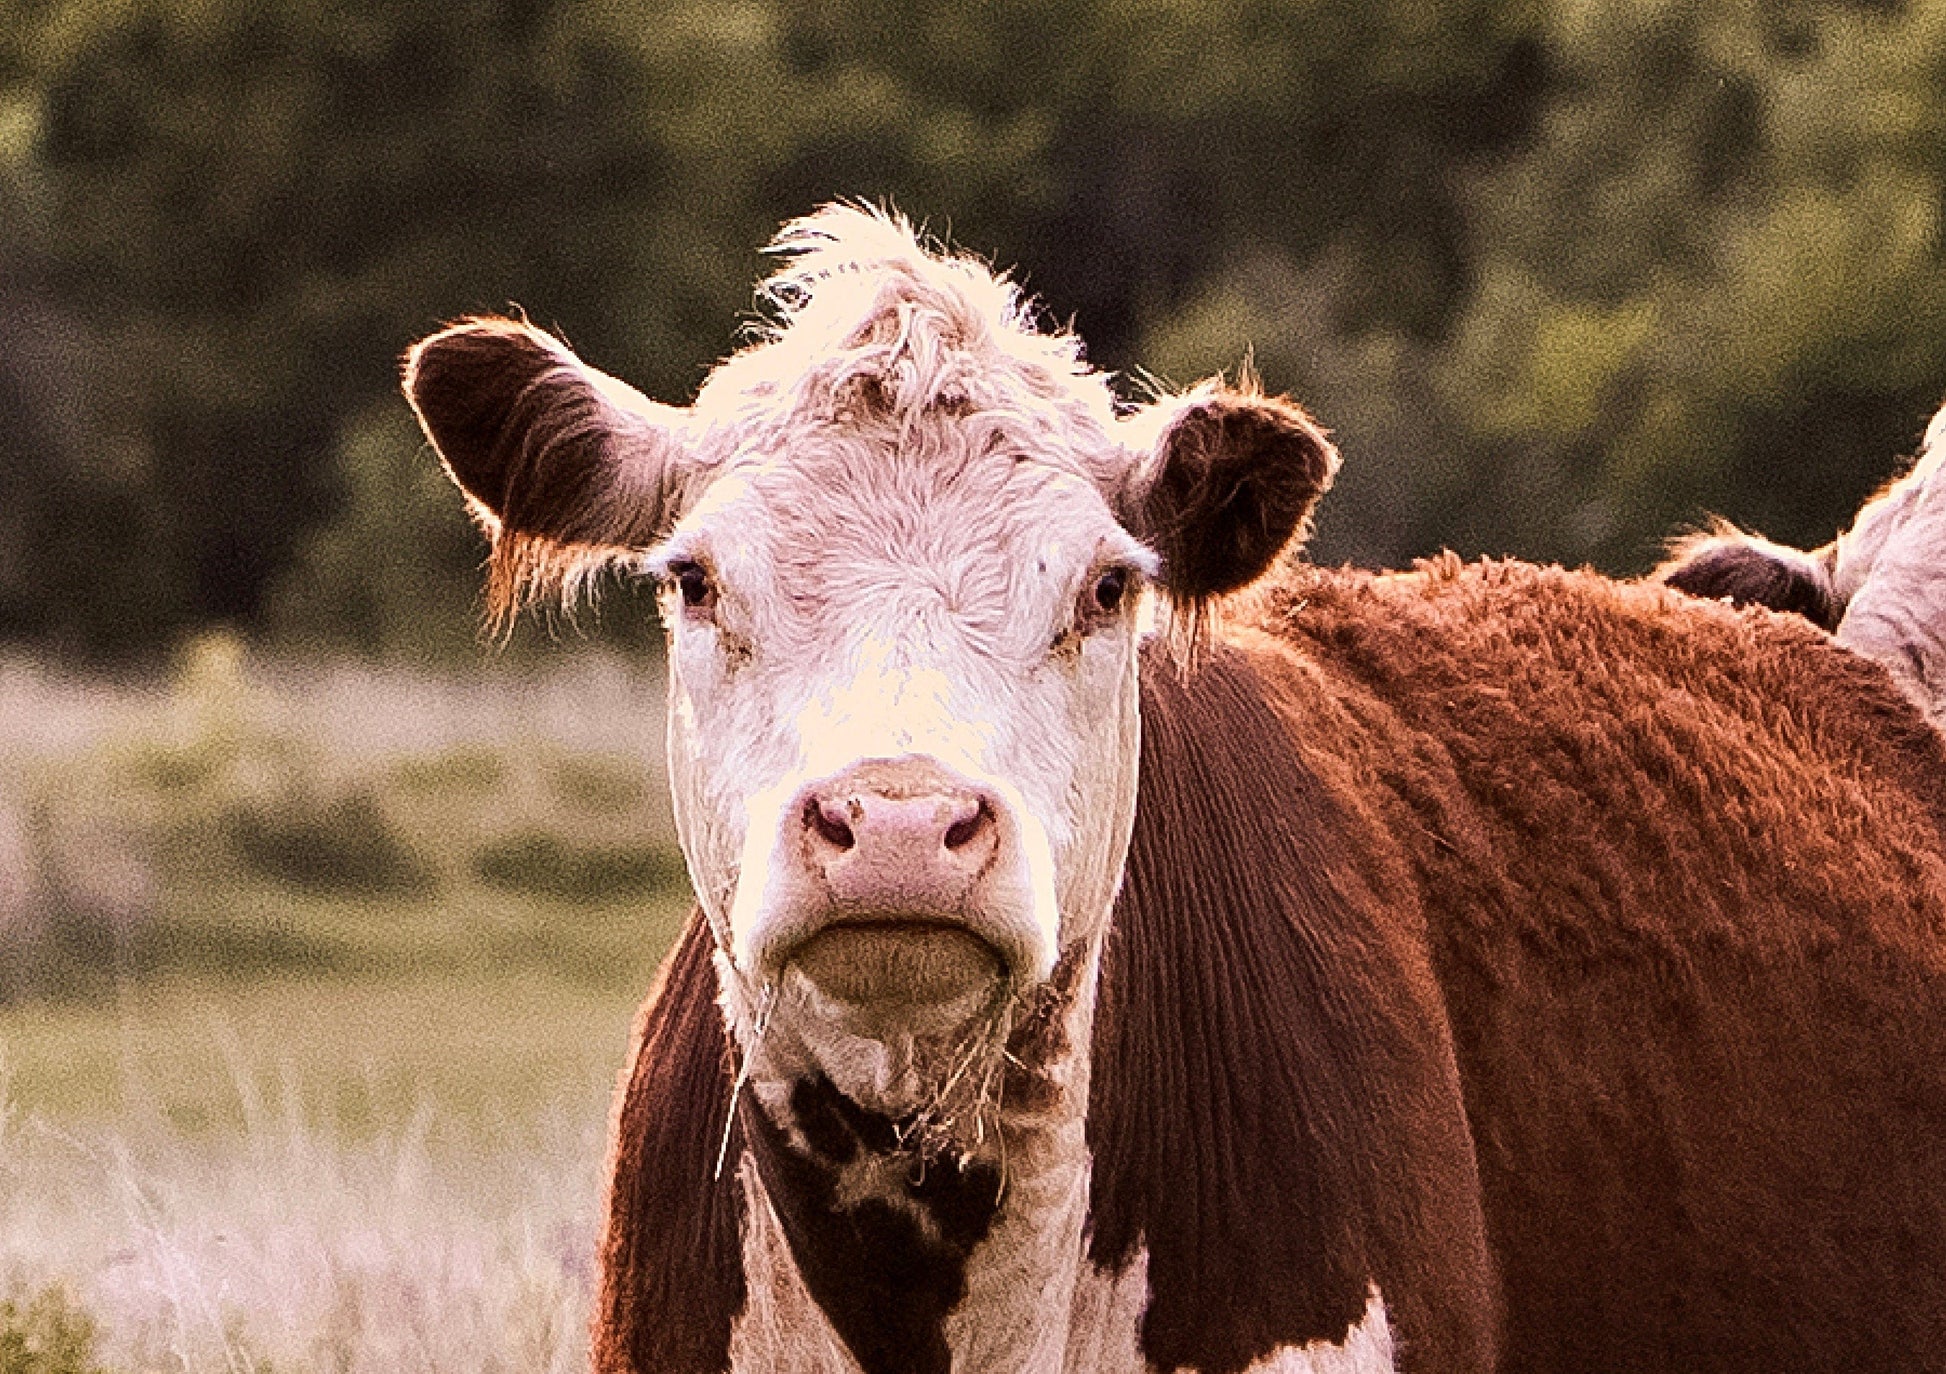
(1231, 481)
(566, 469)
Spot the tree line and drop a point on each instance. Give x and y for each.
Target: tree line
(1562, 275)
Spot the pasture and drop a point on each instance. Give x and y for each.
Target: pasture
(314, 983)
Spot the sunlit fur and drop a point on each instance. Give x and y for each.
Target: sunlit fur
(909, 492)
(1890, 573)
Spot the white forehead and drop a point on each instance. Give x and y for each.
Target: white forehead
(904, 436)
(879, 525)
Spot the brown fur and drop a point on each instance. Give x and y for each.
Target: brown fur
(1567, 958)
(671, 1254)
(1685, 884)
(1275, 1111)
(562, 476)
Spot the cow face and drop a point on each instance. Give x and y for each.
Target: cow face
(906, 545)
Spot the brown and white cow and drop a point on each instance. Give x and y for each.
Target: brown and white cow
(1482, 967)
(1880, 587)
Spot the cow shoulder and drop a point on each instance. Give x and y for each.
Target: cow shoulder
(1275, 1119)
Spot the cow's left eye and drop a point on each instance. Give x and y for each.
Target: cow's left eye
(692, 583)
(1101, 601)
(1110, 588)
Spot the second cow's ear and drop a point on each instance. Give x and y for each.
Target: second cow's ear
(562, 465)
(1230, 479)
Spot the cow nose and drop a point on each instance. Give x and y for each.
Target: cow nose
(891, 844)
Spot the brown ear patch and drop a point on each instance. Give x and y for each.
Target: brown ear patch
(1730, 565)
(672, 1254)
(1236, 476)
(563, 466)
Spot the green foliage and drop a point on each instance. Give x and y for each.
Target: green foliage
(1707, 278)
(473, 770)
(592, 783)
(1559, 273)
(46, 1333)
(341, 843)
(541, 864)
(393, 575)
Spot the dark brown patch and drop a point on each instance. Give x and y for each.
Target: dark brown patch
(1275, 1113)
(1237, 475)
(561, 475)
(886, 1281)
(1728, 567)
(672, 1254)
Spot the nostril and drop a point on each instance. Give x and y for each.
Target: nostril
(829, 823)
(968, 828)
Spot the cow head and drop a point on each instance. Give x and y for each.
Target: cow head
(906, 544)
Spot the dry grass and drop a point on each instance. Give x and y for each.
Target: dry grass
(294, 1246)
(331, 977)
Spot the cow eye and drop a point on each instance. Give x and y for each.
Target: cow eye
(692, 583)
(1100, 603)
(1110, 588)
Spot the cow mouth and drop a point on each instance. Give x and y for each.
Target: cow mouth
(898, 962)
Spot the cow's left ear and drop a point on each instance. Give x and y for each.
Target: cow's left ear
(1229, 479)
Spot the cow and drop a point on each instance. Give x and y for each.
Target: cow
(1880, 586)
(1121, 945)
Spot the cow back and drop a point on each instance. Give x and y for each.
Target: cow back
(1684, 877)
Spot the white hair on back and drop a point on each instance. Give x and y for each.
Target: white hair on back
(1890, 573)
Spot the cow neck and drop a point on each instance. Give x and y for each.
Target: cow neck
(923, 1255)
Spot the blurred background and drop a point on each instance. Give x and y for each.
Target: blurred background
(320, 922)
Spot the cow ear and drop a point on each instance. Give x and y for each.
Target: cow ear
(1748, 570)
(564, 467)
(1228, 481)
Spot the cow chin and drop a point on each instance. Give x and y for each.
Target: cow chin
(894, 1011)
(900, 972)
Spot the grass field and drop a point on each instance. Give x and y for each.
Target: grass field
(313, 990)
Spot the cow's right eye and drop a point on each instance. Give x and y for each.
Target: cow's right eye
(692, 584)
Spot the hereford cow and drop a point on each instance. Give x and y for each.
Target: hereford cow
(1484, 967)
(1880, 587)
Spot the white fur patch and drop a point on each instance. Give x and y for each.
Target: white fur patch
(1891, 573)
(1104, 1337)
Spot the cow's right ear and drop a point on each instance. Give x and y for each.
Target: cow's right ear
(564, 467)
(1224, 478)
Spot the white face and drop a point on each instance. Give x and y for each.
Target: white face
(903, 614)
(879, 632)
